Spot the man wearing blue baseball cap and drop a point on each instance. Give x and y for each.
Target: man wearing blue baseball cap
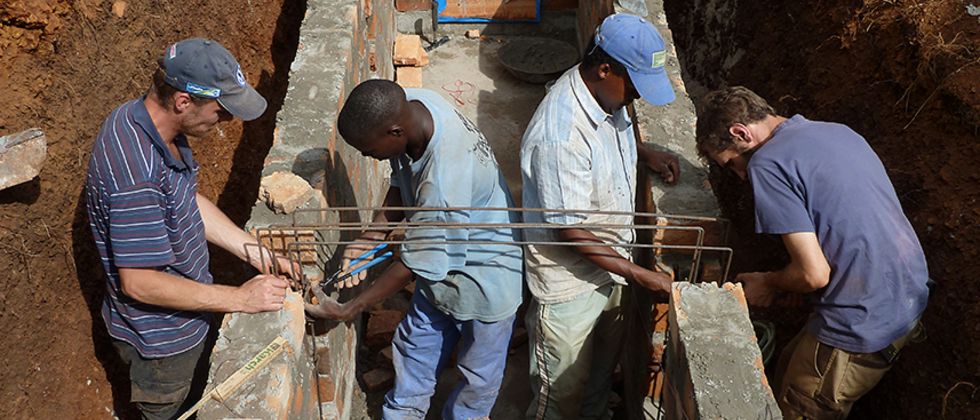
(151, 227)
(579, 152)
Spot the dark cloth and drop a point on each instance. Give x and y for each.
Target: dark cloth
(824, 178)
(159, 386)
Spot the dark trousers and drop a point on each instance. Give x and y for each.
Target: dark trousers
(159, 386)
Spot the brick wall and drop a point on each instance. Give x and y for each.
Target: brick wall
(342, 43)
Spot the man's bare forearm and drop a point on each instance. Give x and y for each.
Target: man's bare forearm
(601, 254)
(393, 279)
(166, 290)
(392, 199)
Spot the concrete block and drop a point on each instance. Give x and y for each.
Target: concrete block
(713, 363)
(409, 77)
(284, 382)
(284, 191)
(378, 380)
(407, 48)
(413, 5)
(381, 328)
(21, 157)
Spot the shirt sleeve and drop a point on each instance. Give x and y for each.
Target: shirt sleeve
(138, 236)
(563, 179)
(780, 200)
(426, 252)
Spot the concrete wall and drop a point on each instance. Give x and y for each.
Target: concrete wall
(342, 42)
(713, 363)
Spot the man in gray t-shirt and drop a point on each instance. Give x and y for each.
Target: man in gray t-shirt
(823, 189)
(468, 286)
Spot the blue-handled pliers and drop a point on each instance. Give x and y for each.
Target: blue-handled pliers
(340, 275)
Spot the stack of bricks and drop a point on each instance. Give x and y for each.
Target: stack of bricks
(409, 58)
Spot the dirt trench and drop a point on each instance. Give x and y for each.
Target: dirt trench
(905, 75)
(64, 65)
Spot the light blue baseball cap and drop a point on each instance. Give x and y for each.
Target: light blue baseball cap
(636, 44)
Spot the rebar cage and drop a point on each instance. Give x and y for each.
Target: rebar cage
(314, 238)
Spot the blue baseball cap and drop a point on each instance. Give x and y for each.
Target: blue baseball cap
(636, 44)
(205, 69)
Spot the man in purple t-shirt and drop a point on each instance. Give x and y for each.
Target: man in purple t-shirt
(822, 188)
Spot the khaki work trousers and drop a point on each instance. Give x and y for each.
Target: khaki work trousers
(816, 381)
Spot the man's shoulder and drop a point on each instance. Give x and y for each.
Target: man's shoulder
(123, 154)
(555, 117)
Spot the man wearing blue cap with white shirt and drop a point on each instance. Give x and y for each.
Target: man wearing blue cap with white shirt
(579, 152)
(151, 227)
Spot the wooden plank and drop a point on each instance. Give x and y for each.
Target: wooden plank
(230, 385)
(491, 9)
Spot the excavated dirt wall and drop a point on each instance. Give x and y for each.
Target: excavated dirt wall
(64, 65)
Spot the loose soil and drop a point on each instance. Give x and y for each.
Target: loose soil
(64, 65)
(906, 75)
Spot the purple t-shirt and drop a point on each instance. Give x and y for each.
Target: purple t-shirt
(824, 178)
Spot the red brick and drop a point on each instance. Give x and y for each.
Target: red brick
(412, 5)
(407, 48)
(381, 328)
(409, 77)
(386, 356)
(378, 380)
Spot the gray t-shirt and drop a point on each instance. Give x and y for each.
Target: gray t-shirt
(466, 280)
(824, 178)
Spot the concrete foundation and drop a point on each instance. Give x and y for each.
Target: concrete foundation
(713, 363)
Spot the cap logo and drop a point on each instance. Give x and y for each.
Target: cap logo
(205, 92)
(173, 51)
(659, 59)
(240, 77)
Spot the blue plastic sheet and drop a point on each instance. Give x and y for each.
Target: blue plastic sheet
(441, 4)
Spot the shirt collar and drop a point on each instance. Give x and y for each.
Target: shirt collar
(142, 118)
(592, 109)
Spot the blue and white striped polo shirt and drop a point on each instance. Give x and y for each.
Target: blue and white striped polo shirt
(142, 207)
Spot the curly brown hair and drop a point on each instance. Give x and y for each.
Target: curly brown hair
(722, 108)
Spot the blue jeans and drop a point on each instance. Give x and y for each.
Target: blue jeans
(423, 344)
